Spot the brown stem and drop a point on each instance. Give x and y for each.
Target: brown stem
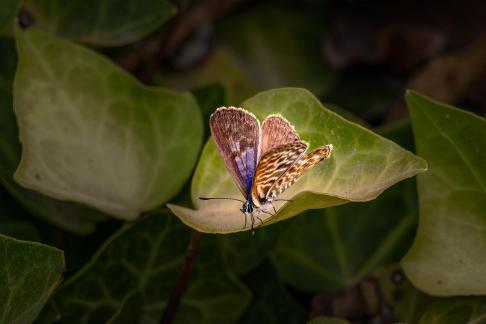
(182, 280)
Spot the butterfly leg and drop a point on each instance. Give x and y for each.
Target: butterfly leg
(252, 224)
(261, 222)
(274, 210)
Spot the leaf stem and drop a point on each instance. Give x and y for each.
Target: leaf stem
(182, 280)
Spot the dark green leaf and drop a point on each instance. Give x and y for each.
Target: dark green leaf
(271, 302)
(91, 133)
(448, 255)
(69, 216)
(29, 272)
(245, 251)
(145, 258)
(101, 22)
(49, 314)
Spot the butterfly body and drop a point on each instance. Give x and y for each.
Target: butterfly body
(263, 160)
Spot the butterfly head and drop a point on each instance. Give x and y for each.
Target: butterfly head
(247, 207)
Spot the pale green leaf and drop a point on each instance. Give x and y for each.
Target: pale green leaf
(92, 134)
(101, 22)
(29, 272)
(448, 255)
(69, 216)
(362, 165)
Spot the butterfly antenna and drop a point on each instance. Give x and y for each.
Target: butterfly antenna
(211, 198)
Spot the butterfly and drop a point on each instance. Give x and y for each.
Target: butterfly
(263, 160)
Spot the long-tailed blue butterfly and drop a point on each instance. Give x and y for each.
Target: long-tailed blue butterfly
(263, 161)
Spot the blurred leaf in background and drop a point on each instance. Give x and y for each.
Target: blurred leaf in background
(102, 23)
(262, 48)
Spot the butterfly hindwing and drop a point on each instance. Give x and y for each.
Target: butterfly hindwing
(276, 131)
(297, 170)
(236, 133)
(272, 166)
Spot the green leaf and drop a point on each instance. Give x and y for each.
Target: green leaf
(362, 165)
(8, 10)
(69, 216)
(103, 23)
(145, 258)
(448, 255)
(91, 133)
(271, 302)
(29, 272)
(456, 311)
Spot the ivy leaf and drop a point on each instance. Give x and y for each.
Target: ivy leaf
(69, 216)
(102, 23)
(271, 301)
(145, 258)
(92, 134)
(447, 257)
(29, 272)
(456, 311)
(8, 10)
(363, 164)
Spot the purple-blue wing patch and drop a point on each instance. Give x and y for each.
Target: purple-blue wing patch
(236, 133)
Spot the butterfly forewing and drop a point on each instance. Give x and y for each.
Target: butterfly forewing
(272, 166)
(276, 131)
(236, 133)
(297, 170)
